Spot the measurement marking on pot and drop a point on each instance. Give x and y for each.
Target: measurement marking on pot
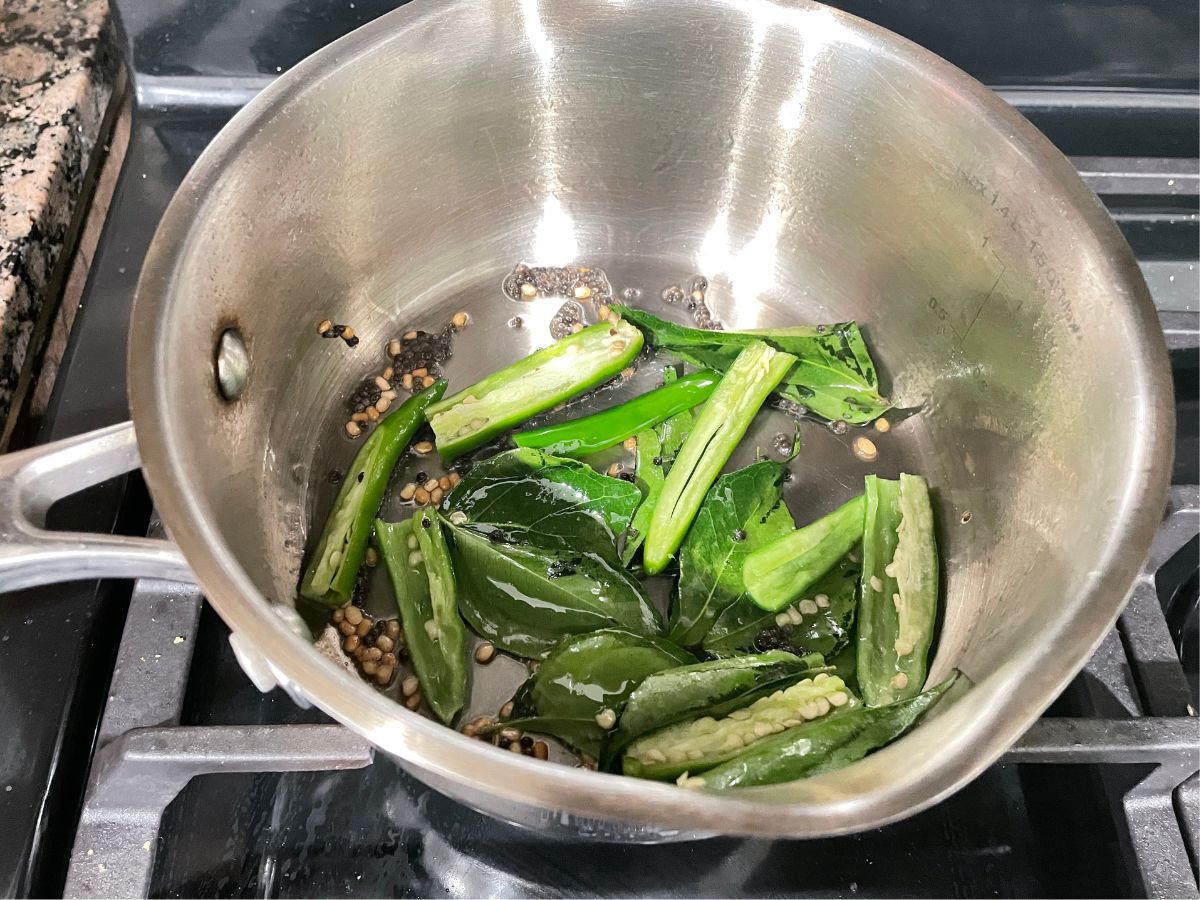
(986, 298)
(1046, 275)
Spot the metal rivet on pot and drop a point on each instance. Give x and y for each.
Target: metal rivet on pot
(233, 364)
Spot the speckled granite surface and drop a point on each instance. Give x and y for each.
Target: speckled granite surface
(58, 66)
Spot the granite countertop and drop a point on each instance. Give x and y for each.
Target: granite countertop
(58, 68)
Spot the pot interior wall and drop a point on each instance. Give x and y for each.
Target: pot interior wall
(807, 180)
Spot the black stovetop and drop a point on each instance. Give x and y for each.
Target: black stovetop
(1103, 79)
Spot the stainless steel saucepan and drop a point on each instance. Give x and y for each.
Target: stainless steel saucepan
(815, 168)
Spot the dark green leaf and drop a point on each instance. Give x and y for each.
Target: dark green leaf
(585, 676)
(546, 501)
(525, 599)
(744, 626)
(834, 375)
(743, 511)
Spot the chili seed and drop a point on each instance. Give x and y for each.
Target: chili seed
(410, 685)
(614, 470)
(420, 373)
(528, 291)
(353, 429)
(407, 381)
(883, 425)
(393, 347)
(428, 381)
(348, 334)
(460, 319)
(423, 447)
(485, 652)
(630, 444)
(410, 335)
(324, 325)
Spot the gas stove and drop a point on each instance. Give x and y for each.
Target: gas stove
(150, 765)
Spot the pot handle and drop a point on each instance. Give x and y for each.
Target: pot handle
(32, 480)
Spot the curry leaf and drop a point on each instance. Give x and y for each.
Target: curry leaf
(583, 677)
(546, 501)
(525, 599)
(743, 511)
(834, 375)
(824, 629)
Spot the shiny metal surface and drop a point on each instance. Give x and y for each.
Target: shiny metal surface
(32, 480)
(814, 168)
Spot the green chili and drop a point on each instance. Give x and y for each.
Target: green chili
(591, 434)
(713, 688)
(780, 573)
(822, 746)
(538, 382)
(706, 742)
(898, 596)
(722, 422)
(333, 567)
(418, 564)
